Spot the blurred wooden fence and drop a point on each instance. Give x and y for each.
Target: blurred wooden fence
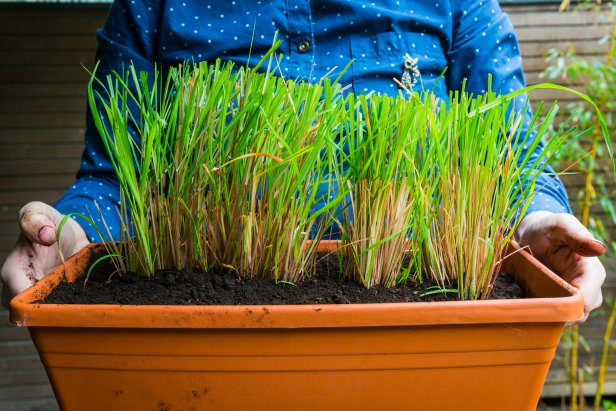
(42, 105)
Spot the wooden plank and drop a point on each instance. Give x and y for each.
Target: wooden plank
(17, 377)
(29, 391)
(38, 166)
(8, 213)
(42, 135)
(46, 57)
(53, 181)
(538, 49)
(21, 197)
(33, 22)
(46, 120)
(58, 41)
(41, 11)
(33, 106)
(13, 151)
(559, 387)
(39, 404)
(43, 90)
(10, 332)
(9, 229)
(71, 73)
(539, 63)
(534, 77)
(12, 348)
(561, 102)
(23, 362)
(550, 33)
(548, 15)
(548, 95)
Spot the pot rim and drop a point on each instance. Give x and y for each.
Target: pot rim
(554, 301)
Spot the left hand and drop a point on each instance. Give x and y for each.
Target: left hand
(566, 247)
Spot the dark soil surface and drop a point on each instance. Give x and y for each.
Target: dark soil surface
(225, 288)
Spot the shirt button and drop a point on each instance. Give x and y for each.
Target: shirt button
(303, 46)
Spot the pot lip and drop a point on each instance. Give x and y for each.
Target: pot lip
(562, 303)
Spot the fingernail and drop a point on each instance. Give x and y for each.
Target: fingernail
(601, 244)
(46, 235)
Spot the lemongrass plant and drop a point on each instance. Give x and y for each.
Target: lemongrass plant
(486, 177)
(224, 166)
(227, 166)
(383, 165)
(158, 165)
(487, 174)
(445, 182)
(271, 191)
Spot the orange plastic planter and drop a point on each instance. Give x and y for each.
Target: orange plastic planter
(485, 355)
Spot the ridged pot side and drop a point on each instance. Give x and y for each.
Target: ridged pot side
(451, 355)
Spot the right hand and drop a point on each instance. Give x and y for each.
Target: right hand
(36, 254)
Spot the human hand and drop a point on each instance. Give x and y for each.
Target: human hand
(566, 247)
(35, 253)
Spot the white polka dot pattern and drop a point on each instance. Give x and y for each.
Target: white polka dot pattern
(453, 42)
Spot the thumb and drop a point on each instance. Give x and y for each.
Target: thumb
(38, 222)
(577, 237)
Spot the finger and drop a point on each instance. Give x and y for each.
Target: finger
(589, 281)
(18, 271)
(15, 284)
(573, 233)
(38, 222)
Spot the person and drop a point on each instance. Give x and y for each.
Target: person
(411, 41)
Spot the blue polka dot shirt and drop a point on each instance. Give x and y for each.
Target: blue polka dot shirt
(472, 40)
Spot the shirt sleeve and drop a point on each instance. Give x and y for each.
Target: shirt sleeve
(484, 44)
(127, 37)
